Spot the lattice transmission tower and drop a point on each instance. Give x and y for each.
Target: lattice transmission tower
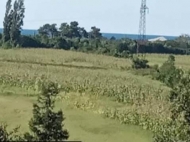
(142, 25)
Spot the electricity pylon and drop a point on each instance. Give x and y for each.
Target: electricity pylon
(142, 25)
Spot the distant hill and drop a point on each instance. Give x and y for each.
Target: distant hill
(107, 35)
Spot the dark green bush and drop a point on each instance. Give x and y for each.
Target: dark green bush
(168, 73)
(138, 63)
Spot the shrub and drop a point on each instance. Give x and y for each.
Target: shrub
(168, 73)
(138, 63)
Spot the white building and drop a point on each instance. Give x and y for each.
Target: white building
(157, 39)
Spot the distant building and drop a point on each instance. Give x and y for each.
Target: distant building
(157, 39)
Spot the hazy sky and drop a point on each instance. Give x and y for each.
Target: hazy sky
(165, 17)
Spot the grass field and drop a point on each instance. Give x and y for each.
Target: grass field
(92, 84)
(16, 110)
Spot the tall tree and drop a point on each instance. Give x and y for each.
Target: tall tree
(7, 21)
(13, 21)
(17, 21)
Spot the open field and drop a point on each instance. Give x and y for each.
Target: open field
(60, 57)
(94, 87)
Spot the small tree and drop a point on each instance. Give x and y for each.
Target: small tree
(46, 125)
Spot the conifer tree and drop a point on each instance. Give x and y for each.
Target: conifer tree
(46, 125)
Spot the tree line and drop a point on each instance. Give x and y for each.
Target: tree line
(70, 36)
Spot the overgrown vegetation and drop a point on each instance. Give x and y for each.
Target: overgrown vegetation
(179, 127)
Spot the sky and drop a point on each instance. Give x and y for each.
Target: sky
(165, 17)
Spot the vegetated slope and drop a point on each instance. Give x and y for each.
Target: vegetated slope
(106, 82)
(120, 85)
